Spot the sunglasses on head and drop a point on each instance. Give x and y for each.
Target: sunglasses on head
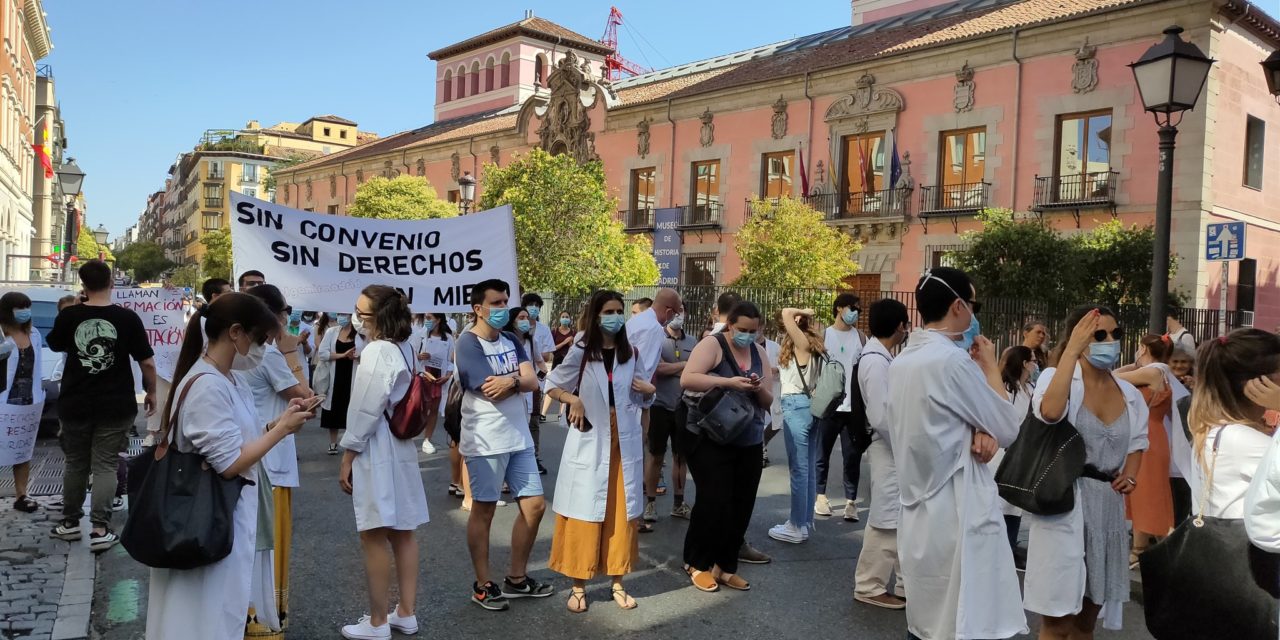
(1101, 334)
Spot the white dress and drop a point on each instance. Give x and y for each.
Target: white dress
(210, 603)
(386, 483)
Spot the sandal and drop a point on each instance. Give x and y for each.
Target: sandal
(734, 582)
(702, 580)
(580, 596)
(645, 527)
(627, 603)
(25, 504)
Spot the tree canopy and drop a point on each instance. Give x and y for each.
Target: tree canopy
(87, 248)
(188, 275)
(403, 197)
(144, 260)
(789, 245)
(567, 237)
(217, 254)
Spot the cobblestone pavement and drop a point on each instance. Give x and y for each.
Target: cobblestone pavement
(46, 585)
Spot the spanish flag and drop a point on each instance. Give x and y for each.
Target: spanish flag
(42, 151)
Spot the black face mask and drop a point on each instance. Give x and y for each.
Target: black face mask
(308, 317)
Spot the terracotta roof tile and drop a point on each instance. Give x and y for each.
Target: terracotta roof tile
(431, 132)
(332, 118)
(1021, 14)
(535, 27)
(649, 92)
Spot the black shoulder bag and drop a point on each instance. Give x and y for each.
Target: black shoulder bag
(1039, 470)
(727, 413)
(181, 511)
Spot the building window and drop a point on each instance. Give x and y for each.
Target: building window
(252, 192)
(776, 175)
(644, 191)
(505, 74)
(250, 172)
(326, 131)
(448, 86)
(699, 270)
(212, 195)
(537, 70)
(1084, 144)
(215, 169)
(475, 78)
(1254, 134)
(343, 134)
(461, 78)
(706, 190)
(488, 75)
(333, 210)
(454, 197)
(962, 166)
(864, 161)
(212, 221)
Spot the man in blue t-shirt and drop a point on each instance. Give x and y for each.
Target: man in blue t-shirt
(495, 373)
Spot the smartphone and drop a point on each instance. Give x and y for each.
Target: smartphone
(755, 378)
(315, 401)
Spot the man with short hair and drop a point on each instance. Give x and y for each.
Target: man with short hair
(667, 417)
(646, 332)
(214, 287)
(546, 346)
(494, 372)
(251, 279)
(844, 345)
(97, 405)
(1181, 337)
(640, 306)
(948, 413)
(889, 325)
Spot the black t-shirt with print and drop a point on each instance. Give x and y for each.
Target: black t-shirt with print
(97, 381)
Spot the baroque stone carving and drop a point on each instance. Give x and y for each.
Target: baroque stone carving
(493, 155)
(708, 134)
(388, 171)
(566, 127)
(308, 184)
(1084, 73)
(905, 181)
(866, 99)
(359, 176)
(642, 137)
(422, 166)
(333, 186)
(964, 90)
(455, 166)
(779, 118)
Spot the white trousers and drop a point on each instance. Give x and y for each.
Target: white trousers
(878, 560)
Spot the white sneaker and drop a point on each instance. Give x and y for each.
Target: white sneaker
(787, 532)
(364, 630)
(822, 506)
(650, 512)
(850, 511)
(427, 447)
(407, 625)
(805, 531)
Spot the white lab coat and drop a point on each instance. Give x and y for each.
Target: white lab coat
(582, 485)
(1055, 579)
(1262, 501)
(37, 375)
(324, 369)
(956, 560)
(210, 603)
(873, 382)
(387, 484)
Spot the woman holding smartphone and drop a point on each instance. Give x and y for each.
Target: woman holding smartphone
(435, 354)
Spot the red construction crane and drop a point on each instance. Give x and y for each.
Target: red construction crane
(614, 63)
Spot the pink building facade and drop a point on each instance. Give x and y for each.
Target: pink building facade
(1021, 104)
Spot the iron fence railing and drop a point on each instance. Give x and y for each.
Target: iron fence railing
(885, 203)
(1076, 190)
(709, 215)
(637, 220)
(954, 198)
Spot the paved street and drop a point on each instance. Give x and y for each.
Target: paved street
(806, 592)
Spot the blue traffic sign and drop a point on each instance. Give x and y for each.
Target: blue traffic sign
(1225, 241)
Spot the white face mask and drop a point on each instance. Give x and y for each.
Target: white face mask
(357, 323)
(250, 360)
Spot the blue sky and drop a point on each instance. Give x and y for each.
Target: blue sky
(140, 80)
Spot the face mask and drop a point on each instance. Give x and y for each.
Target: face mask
(676, 323)
(250, 360)
(428, 324)
(1035, 374)
(533, 311)
(295, 317)
(308, 317)
(1103, 355)
(523, 326)
(850, 316)
(744, 338)
(612, 323)
(564, 322)
(498, 317)
(358, 324)
(22, 316)
(974, 330)
(344, 321)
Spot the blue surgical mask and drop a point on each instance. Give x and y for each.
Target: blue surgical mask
(744, 338)
(533, 311)
(498, 317)
(428, 325)
(1103, 355)
(344, 321)
(523, 326)
(974, 330)
(850, 316)
(1035, 375)
(564, 322)
(295, 317)
(612, 323)
(22, 316)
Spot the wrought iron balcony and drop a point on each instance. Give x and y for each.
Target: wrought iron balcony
(213, 203)
(1076, 191)
(215, 175)
(707, 215)
(954, 199)
(637, 220)
(885, 203)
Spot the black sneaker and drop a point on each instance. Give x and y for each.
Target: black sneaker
(489, 596)
(333, 449)
(117, 503)
(528, 588)
(542, 471)
(68, 530)
(99, 542)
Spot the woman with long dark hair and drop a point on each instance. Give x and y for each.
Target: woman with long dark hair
(1017, 365)
(23, 363)
(435, 354)
(727, 475)
(602, 470)
(217, 420)
(339, 353)
(801, 347)
(521, 325)
(1078, 561)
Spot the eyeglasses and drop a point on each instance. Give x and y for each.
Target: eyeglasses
(1101, 334)
(975, 305)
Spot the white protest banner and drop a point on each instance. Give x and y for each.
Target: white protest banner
(164, 319)
(18, 427)
(321, 262)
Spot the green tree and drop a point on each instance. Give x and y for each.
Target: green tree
(188, 275)
(1021, 259)
(403, 197)
(269, 182)
(789, 245)
(1114, 263)
(217, 254)
(144, 260)
(567, 238)
(87, 248)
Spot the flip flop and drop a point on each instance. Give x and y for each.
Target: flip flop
(579, 595)
(626, 599)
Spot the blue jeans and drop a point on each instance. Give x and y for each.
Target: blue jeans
(803, 445)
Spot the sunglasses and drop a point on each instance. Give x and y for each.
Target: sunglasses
(1101, 334)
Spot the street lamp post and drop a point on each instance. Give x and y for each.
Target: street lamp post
(1170, 77)
(71, 179)
(1272, 68)
(467, 191)
(100, 236)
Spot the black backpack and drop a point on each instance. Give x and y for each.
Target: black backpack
(858, 405)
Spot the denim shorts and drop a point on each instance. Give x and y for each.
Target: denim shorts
(519, 469)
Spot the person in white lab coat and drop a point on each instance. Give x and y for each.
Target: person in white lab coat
(948, 412)
(435, 357)
(339, 354)
(889, 324)
(379, 470)
(217, 420)
(1078, 562)
(601, 480)
(23, 361)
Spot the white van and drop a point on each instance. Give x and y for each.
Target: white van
(44, 308)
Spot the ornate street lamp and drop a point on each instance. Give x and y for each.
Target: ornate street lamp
(467, 191)
(1272, 68)
(1170, 77)
(70, 179)
(101, 234)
